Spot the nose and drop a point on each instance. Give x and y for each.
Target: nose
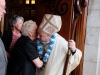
(38, 36)
(4, 11)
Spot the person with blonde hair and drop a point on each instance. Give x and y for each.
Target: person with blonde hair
(25, 56)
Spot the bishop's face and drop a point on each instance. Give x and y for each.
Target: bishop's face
(42, 36)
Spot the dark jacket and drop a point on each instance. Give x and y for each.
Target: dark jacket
(7, 38)
(24, 51)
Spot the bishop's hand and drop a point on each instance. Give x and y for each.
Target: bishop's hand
(72, 45)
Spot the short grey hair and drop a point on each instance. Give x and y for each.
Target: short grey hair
(14, 20)
(27, 27)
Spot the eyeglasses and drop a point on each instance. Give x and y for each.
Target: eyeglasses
(3, 7)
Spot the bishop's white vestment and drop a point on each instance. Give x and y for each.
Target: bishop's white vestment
(57, 58)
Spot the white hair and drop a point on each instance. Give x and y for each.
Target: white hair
(27, 27)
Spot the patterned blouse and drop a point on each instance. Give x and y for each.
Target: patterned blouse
(14, 39)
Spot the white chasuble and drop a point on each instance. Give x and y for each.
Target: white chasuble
(57, 58)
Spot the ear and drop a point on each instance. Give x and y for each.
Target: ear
(14, 24)
(30, 34)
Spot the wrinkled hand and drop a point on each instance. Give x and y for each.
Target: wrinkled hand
(72, 45)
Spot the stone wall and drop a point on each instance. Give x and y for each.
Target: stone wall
(91, 64)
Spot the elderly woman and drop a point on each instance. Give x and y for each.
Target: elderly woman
(25, 56)
(10, 37)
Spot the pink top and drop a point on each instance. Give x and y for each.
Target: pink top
(14, 39)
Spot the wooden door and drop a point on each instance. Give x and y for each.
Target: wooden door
(58, 7)
(21, 8)
(65, 8)
(14, 7)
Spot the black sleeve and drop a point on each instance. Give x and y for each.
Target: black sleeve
(7, 38)
(31, 51)
(73, 52)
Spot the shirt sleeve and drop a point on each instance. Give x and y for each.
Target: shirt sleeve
(73, 52)
(31, 51)
(7, 38)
